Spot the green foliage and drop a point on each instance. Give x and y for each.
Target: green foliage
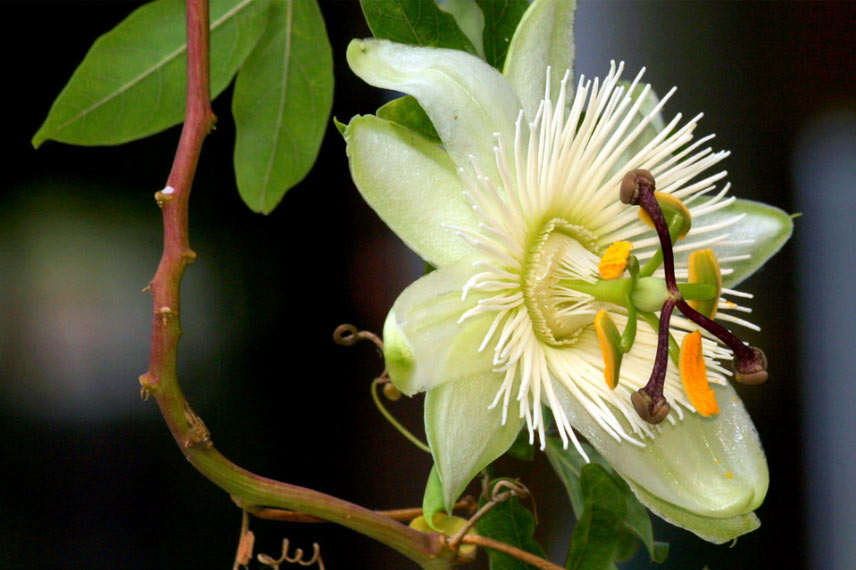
(521, 448)
(415, 22)
(634, 521)
(511, 523)
(283, 95)
(131, 84)
(594, 540)
(500, 21)
(405, 111)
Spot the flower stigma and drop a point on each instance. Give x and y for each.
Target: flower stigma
(567, 269)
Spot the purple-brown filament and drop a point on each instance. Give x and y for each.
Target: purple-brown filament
(750, 363)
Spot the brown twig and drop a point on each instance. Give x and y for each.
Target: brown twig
(514, 489)
(518, 553)
(467, 504)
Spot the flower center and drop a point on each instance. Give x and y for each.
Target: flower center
(559, 252)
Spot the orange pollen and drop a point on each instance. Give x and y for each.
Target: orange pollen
(614, 261)
(607, 334)
(694, 376)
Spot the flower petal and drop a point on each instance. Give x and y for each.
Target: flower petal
(464, 435)
(424, 344)
(755, 237)
(717, 531)
(705, 474)
(545, 36)
(399, 173)
(468, 100)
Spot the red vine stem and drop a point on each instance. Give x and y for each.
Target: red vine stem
(160, 381)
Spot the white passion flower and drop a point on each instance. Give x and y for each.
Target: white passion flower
(531, 214)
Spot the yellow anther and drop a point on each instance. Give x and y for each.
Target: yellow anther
(671, 207)
(610, 345)
(729, 475)
(614, 261)
(704, 268)
(694, 376)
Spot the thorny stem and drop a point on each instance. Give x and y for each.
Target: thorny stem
(160, 381)
(429, 550)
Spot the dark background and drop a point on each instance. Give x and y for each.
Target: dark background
(90, 475)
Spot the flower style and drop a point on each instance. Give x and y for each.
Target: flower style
(529, 212)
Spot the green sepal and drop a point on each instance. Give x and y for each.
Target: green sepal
(703, 474)
(467, 100)
(761, 232)
(464, 435)
(432, 500)
(424, 344)
(405, 111)
(544, 37)
(398, 172)
(470, 19)
(340, 126)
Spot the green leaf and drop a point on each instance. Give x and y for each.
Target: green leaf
(432, 501)
(595, 537)
(407, 112)
(511, 523)
(568, 465)
(500, 21)
(415, 22)
(521, 448)
(131, 84)
(282, 100)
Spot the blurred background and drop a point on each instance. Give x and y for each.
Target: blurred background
(91, 477)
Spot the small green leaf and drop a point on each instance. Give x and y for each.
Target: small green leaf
(131, 84)
(568, 465)
(511, 523)
(432, 501)
(661, 552)
(521, 448)
(595, 537)
(415, 22)
(407, 112)
(282, 100)
(500, 20)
